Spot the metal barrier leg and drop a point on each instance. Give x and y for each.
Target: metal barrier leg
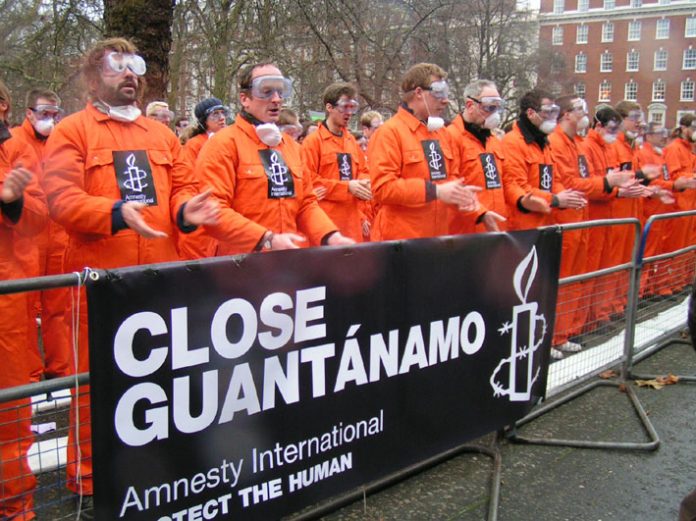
(585, 444)
(492, 452)
(642, 376)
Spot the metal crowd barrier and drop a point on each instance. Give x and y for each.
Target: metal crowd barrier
(649, 319)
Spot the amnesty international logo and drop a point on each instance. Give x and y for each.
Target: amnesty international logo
(134, 176)
(527, 331)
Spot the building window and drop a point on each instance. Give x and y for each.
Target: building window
(609, 4)
(632, 60)
(581, 62)
(581, 33)
(657, 116)
(662, 29)
(605, 90)
(631, 91)
(558, 6)
(658, 93)
(608, 32)
(580, 90)
(687, 90)
(689, 59)
(681, 113)
(636, 3)
(557, 36)
(660, 60)
(606, 62)
(690, 31)
(664, 2)
(583, 5)
(634, 30)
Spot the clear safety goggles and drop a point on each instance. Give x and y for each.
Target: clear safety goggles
(490, 104)
(612, 127)
(662, 132)
(118, 62)
(47, 112)
(217, 112)
(580, 106)
(347, 106)
(439, 89)
(549, 112)
(636, 116)
(264, 87)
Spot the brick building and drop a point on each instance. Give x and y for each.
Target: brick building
(641, 50)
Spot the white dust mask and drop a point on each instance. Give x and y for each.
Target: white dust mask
(269, 134)
(44, 126)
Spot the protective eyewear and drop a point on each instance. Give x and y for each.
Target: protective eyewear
(217, 112)
(118, 62)
(347, 106)
(612, 127)
(662, 132)
(490, 104)
(47, 112)
(580, 106)
(439, 90)
(636, 116)
(549, 111)
(264, 87)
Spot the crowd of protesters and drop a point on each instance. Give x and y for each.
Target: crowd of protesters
(108, 187)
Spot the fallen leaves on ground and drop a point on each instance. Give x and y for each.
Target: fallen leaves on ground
(659, 382)
(609, 373)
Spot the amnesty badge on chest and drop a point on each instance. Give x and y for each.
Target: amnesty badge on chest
(582, 167)
(345, 167)
(490, 171)
(545, 177)
(280, 182)
(435, 159)
(134, 177)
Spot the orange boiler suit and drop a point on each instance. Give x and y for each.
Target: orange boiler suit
(480, 165)
(89, 158)
(406, 162)
(23, 218)
(49, 248)
(333, 161)
(528, 168)
(259, 189)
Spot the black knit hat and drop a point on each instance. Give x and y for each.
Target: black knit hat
(204, 108)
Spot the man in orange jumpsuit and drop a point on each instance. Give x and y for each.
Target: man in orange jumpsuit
(572, 169)
(42, 113)
(480, 157)
(22, 213)
(115, 180)
(333, 157)
(211, 117)
(681, 163)
(258, 177)
(414, 174)
(532, 187)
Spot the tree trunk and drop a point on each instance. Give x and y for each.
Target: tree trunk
(147, 23)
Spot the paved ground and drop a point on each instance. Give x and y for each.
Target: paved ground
(541, 483)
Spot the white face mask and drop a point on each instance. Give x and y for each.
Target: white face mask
(583, 124)
(492, 121)
(658, 150)
(125, 113)
(609, 138)
(435, 123)
(693, 135)
(44, 126)
(631, 135)
(547, 126)
(269, 134)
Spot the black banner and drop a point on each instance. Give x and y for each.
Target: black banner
(251, 387)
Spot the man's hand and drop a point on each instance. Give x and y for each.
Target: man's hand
(491, 219)
(685, 183)
(620, 178)
(336, 239)
(457, 193)
(571, 199)
(286, 241)
(366, 226)
(132, 216)
(651, 172)
(201, 209)
(360, 188)
(14, 184)
(320, 192)
(534, 203)
(634, 191)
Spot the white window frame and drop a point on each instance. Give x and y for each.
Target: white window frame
(606, 62)
(585, 32)
(580, 89)
(579, 70)
(659, 86)
(687, 90)
(607, 36)
(599, 95)
(634, 88)
(690, 27)
(583, 5)
(635, 27)
(655, 64)
(664, 33)
(609, 4)
(636, 3)
(635, 66)
(555, 33)
(689, 60)
(558, 6)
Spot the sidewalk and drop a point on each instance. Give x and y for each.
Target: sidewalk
(542, 483)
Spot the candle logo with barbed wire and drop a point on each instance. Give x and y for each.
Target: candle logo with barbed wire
(524, 340)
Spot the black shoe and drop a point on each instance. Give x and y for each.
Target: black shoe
(85, 506)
